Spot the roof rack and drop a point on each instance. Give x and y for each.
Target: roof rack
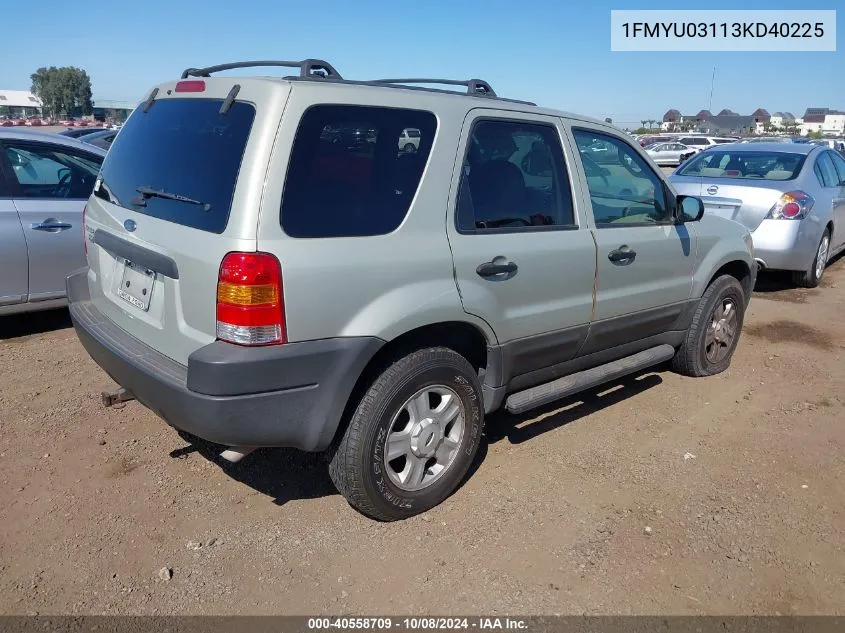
(308, 68)
(476, 87)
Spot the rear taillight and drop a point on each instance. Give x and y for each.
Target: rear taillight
(250, 301)
(793, 205)
(84, 231)
(192, 85)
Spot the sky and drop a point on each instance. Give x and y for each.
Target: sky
(554, 52)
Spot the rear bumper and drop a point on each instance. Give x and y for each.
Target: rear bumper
(287, 395)
(786, 244)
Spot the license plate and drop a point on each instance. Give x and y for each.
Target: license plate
(724, 211)
(136, 285)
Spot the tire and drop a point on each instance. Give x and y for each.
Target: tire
(811, 277)
(693, 359)
(409, 148)
(359, 465)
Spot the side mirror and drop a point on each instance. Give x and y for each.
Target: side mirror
(689, 209)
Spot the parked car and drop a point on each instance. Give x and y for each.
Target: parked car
(47, 180)
(79, 132)
(650, 139)
(420, 293)
(836, 144)
(700, 142)
(409, 140)
(767, 139)
(668, 154)
(101, 138)
(791, 196)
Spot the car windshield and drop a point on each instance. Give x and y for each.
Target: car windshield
(742, 164)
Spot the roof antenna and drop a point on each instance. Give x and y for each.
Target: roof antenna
(712, 82)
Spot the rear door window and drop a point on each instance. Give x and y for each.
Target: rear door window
(350, 174)
(51, 171)
(828, 172)
(839, 164)
(183, 147)
(514, 179)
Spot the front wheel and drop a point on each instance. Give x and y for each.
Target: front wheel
(412, 437)
(714, 332)
(811, 277)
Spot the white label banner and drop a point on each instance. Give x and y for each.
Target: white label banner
(718, 30)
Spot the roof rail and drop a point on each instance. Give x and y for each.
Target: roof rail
(476, 87)
(310, 68)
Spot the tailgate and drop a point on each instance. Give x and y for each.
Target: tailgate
(180, 188)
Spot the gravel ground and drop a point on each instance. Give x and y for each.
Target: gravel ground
(656, 494)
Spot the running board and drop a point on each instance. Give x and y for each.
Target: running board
(549, 392)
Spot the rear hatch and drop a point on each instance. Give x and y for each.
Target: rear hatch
(180, 187)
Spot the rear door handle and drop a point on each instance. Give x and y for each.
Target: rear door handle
(51, 225)
(622, 255)
(491, 269)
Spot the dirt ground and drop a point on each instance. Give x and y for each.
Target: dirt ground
(657, 494)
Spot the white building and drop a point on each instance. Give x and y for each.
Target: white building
(17, 103)
(824, 120)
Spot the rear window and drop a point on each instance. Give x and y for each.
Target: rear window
(716, 163)
(183, 147)
(351, 173)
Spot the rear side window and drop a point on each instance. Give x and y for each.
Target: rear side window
(839, 163)
(183, 147)
(354, 170)
(829, 176)
(514, 178)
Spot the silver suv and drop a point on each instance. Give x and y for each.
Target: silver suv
(258, 278)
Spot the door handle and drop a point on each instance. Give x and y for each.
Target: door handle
(491, 269)
(622, 255)
(51, 225)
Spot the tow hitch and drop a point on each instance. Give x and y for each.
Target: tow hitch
(120, 396)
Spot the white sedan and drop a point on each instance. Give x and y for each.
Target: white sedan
(669, 154)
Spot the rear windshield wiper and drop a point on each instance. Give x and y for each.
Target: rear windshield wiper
(149, 192)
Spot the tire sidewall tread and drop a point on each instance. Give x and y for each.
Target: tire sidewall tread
(357, 466)
(690, 359)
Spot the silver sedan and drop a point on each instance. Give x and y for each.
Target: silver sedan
(791, 196)
(48, 179)
(668, 154)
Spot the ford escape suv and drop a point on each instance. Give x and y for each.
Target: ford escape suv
(257, 282)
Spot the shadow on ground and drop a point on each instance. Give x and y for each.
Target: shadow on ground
(19, 325)
(286, 474)
(778, 285)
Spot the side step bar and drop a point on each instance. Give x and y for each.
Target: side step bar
(549, 392)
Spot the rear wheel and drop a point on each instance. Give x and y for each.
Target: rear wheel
(714, 332)
(412, 437)
(409, 148)
(811, 277)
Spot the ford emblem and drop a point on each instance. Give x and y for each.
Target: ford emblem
(130, 225)
(712, 189)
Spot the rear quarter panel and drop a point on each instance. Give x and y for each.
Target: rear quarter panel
(379, 286)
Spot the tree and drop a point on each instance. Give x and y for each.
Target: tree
(65, 90)
(643, 122)
(816, 134)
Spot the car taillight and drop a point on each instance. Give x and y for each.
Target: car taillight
(250, 301)
(84, 231)
(793, 205)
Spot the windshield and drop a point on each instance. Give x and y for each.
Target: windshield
(743, 164)
(183, 147)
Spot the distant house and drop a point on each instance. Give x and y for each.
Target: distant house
(674, 121)
(824, 120)
(727, 122)
(19, 103)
